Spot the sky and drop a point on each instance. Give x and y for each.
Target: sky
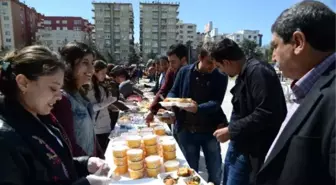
(227, 15)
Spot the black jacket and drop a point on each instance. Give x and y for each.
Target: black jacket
(259, 108)
(304, 154)
(31, 155)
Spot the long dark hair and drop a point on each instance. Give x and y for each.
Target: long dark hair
(70, 53)
(98, 66)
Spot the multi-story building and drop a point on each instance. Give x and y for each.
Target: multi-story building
(18, 24)
(55, 32)
(114, 29)
(186, 32)
(253, 35)
(158, 27)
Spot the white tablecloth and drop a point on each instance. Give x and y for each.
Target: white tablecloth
(145, 181)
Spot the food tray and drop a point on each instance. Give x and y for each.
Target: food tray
(182, 180)
(167, 104)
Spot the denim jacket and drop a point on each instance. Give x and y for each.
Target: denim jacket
(83, 122)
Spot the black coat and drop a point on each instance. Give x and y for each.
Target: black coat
(259, 108)
(31, 155)
(304, 154)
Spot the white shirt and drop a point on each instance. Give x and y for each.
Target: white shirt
(292, 107)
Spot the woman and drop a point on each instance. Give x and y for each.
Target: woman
(74, 111)
(33, 150)
(100, 98)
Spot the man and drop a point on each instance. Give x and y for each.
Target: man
(206, 86)
(162, 65)
(177, 56)
(259, 107)
(126, 86)
(304, 46)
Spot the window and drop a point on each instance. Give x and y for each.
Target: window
(65, 28)
(8, 33)
(76, 22)
(249, 36)
(6, 18)
(6, 25)
(190, 27)
(255, 37)
(47, 22)
(59, 42)
(64, 22)
(4, 4)
(58, 28)
(189, 32)
(8, 40)
(57, 21)
(238, 40)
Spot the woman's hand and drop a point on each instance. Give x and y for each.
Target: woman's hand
(96, 164)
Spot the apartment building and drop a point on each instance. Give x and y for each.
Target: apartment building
(253, 35)
(114, 29)
(18, 24)
(55, 32)
(187, 32)
(158, 27)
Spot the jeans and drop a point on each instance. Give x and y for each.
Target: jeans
(191, 144)
(236, 168)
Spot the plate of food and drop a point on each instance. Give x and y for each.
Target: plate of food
(178, 102)
(183, 176)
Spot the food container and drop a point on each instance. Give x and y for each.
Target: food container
(136, 165)
(153, 172)
(133, 141)
(159, 130)
(153, 161)
(119, 151)
(150, 140)
(135, 155)
(172, 165)
(120, 161)
(169, 156)
(168, 146)
(136, 174)
(142, 134)
(121, 169)
(150, 150)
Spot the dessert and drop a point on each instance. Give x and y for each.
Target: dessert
(136, 174)
(150, 140)
(184, 172)
(120, 161)
(133, 141)
(135, 155)
(169, 180)
(168, 146)
(169, 155)
(119, 151)
(159, 130)
(151, 150)
(121, 169)
(153, 161)
(136, 165)
(153, 172)
(172, 165)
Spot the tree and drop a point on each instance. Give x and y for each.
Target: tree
(189, 46)
(251, 49)
(151, 55)
(110, 58)
(133, 57)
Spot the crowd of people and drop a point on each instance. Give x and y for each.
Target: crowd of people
(58, 109)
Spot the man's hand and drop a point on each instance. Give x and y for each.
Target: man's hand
(222, 134)
(192, 109)
(149, 118)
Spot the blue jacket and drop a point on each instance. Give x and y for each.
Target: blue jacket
(211, 109)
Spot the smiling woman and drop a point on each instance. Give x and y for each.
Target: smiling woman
(31, 80)
(74, 111)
